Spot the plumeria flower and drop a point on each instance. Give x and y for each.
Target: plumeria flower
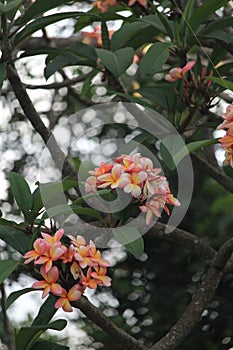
(179, 73)
(51, 239)
(49, 283)
(64, 301)
(54, 253)
(153, 207)
(78, 241)
(96, 256)
(228, 116)
(141, 2)
(82, 255)
(229, 157)
(40, 248)
(114, 179)
(92, 182)
(227, 141)
(88, 281)
(100, 275)
(75, 270)
(130, 163)
(135, 185)
(104, 5)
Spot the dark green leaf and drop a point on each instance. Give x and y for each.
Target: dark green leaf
(192, 147)
(42, 51)
(131, 239)
(47, 345)
(38, 7)
(43, 22)
(223, 82)
(15, 238)
(11, 5)
(21, 191)
(6, 268)
(2, 73)
(116, 62)
(126, 33)
(46, 312)
(218, 24)
(86, 211)
(28, 335)
(201, 14)
(15, 295)
(155, 57)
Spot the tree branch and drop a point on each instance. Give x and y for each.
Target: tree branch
(200, 301)
(32, 115)
(184, 238)
(102, 321)
(58, 85)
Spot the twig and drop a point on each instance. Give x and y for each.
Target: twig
(212, 171)
(102, 321)
(58, 85)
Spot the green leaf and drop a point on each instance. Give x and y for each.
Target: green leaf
(126, 33)
(42, 51)
(86, 211)
(155, 57)
(192, 147)
(43, 22)
(47, 345)
(6, 268)
(64, 209)
(49, 191)
(131, 239)
(21, 191)
(38, 7)
(76, 54)
(116, 62)
(160, 22)
(2, 73)
(15, 295)
(222, 82)
(15, 238)
(218, 24)
(11, 5)
(28, 335)
(204, 12)
(46, 312)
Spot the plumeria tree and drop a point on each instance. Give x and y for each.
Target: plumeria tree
(133, 107)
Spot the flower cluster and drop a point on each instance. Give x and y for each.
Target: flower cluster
(104, 5)
(137, 176)
(67, 271)
(227, 140)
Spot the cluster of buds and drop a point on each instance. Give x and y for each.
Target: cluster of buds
(227, 140)
(136, 176)
(104, 5)
(67, 271)
(196, 92)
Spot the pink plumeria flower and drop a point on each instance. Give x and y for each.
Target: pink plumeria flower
(49, 283)
(78, 241)
(96, 256)
(82, 255)
(130, 163)
(88, 281)
(75, 270)
(141, 2)
(179, 73)
(55, 252)
(64, 301)
(153, 207)
(228, 116)
(114, 179)
(135, 185)
(100, 275)
(51, 239)
(40, 248)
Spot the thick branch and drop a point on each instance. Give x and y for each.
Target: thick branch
(32, 115)
(102, 321)
(212, 171)
(185, 239)
(200, 301)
